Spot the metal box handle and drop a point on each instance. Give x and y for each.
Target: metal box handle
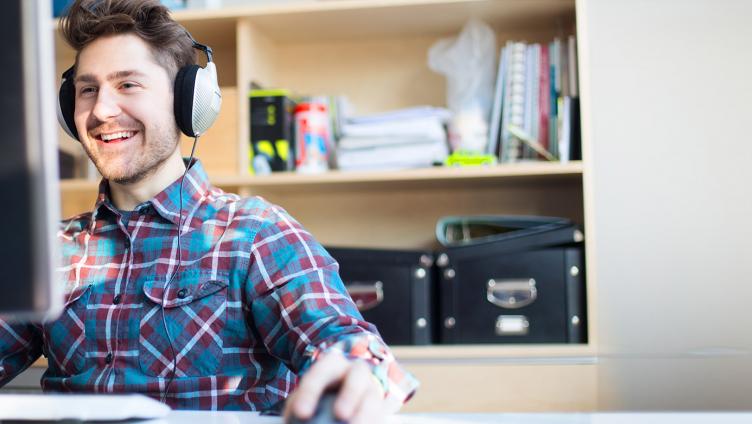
(366, 294)
(511, 293)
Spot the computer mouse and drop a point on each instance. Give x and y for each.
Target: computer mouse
(324, 412)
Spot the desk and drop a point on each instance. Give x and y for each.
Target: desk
(206, 417)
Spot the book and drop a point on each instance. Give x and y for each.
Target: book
(392, 157)
(398, 139)
(416, 112)
(539, 99)
(563, 69)
(431, 127)
(495, 117)
(574, 85)
(375, 142)
(545, 98)
(530, 84)
(514, 102)
(553, 139)
(569, 142)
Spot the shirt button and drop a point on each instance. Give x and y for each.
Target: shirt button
(182, 293)
(117, 299)
(108, 358)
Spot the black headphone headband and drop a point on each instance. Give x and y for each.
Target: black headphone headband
(204, 48)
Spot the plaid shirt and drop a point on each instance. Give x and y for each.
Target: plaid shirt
(254, 301)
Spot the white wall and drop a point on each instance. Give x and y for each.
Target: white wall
(667, 115)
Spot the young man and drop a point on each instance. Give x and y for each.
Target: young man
(225, 316)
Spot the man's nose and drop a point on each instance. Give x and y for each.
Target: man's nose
(107, 106)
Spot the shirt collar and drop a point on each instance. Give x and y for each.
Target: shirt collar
(167, 202)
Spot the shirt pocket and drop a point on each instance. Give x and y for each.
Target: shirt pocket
(194, 311)
(65, 336)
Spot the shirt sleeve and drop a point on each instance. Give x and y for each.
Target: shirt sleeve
(398, 385)
(20, 346)
(301, 307)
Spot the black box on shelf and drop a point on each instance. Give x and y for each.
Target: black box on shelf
(272, 144)
(527, 286)
(393, 290)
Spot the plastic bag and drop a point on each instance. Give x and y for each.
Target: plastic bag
(468, 61)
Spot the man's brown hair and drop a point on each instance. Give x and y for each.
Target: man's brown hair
(87, 20)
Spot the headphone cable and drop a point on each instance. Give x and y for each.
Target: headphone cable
(172, 276)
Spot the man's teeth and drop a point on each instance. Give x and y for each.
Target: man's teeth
(113, 136)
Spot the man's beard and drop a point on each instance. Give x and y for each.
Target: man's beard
(155, 155)
(138, 176)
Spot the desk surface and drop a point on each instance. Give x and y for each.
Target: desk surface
(206, 417)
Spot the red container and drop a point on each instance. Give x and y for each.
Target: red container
(312, 137)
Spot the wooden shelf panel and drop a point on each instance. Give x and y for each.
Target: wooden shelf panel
(543, 354)
(503, 387)
(438, 174)
(356, 179)
(517, 353)
(330, 20)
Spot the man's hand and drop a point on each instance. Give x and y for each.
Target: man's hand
(360, 398)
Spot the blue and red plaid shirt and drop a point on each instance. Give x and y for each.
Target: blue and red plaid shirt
(254, 301)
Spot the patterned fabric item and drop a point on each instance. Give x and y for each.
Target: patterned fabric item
(254, 301)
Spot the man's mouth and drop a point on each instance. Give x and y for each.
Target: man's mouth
(115, 137)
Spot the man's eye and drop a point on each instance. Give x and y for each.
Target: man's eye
(128, 85)
(87, 90)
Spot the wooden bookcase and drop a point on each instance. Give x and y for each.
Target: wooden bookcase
(375, 52)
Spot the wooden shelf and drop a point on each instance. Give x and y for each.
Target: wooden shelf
(517, 353)
(533, 171)
(348, 19)
(513, 354)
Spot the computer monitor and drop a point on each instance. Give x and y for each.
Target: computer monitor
(29, 186)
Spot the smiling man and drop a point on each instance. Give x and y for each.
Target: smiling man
(124, 108)
(174, 288)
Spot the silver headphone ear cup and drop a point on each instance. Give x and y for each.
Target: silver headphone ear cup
(207, 99)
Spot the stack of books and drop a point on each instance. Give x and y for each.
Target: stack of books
(401, 139)
(535, 114)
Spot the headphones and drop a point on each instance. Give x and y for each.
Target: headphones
(197, 97)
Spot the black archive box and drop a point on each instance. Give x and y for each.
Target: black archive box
(392, 289)
(525, 286)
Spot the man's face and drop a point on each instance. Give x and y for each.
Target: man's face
(124, 108)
